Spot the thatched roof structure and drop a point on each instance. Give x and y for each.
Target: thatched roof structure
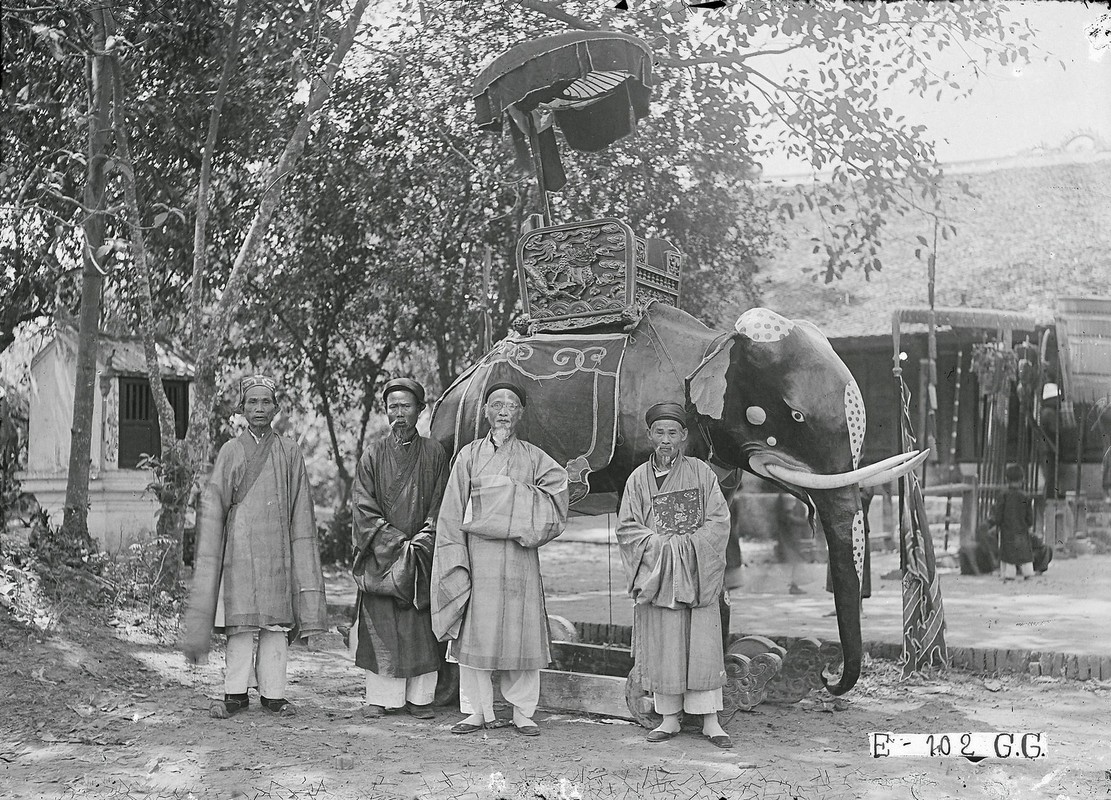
(1037, 228)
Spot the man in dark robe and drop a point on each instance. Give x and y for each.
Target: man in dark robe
(398, 487)
(504, 499)
(673, 527)
(257, 564)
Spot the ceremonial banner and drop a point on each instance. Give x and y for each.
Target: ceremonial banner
(923, 615)
(571, 383)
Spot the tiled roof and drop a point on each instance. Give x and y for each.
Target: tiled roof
(1039, 229)
(124, 354)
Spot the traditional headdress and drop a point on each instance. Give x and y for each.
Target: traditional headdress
(404, 384)
(258, 380)
(666, 411)
(493, 387)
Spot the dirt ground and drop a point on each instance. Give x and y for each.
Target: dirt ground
(111, 711)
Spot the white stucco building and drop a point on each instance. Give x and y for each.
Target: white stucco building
(125, 427)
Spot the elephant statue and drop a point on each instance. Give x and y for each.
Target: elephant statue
(770, 397)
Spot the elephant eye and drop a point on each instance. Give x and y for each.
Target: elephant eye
(797, 416)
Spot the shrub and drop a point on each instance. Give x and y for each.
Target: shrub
(334, 538)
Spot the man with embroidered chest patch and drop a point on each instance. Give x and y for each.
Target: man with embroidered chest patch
(257, 564)
(672, 530)
(399, 484)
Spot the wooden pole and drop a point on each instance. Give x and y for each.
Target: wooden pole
(538, 167)
(952, 466)
(487, 323)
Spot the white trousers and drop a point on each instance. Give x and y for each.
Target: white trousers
(382, 690)
(264, 666)
(704, 702)
(521, 687)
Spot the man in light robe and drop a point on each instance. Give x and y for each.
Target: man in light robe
(257, 564)
(673, 528)
(504, 499)
(399, 484)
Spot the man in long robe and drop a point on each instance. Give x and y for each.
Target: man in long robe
(399, 484)
(673, 529)
(257, 564)
(504, 499)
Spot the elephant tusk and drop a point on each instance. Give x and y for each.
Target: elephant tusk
(885, 470)
(896, 472)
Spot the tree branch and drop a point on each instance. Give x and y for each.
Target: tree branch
(200, 240)
(268, 203)
(553, 11)
(167, 427)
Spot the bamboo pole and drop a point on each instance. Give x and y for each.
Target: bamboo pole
(953, 444)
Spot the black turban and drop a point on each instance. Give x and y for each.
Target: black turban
(405, 384)
(666, 411)
(493, 387)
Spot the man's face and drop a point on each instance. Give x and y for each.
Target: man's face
(504, 410)
(259, 407)
(402, 408)
(668, 437)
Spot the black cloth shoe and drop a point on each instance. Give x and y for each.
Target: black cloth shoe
(279, 706)
(231, 704)
(420, 712)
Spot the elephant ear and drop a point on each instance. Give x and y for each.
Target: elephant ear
(706, 385)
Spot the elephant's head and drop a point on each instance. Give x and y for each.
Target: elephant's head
(778, 401)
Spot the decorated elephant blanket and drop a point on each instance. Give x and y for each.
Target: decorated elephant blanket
(571, 385)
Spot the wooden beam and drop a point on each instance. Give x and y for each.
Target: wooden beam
(582, 692)
(595, 659)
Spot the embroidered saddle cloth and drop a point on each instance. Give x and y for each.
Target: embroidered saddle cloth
(571, 384)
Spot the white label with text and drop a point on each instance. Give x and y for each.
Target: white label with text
(1020, 744)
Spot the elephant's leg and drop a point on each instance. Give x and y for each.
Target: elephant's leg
(733, 559)
(731, 484)
(726, 618)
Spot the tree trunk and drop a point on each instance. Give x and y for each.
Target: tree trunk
(207, 339)
(75, 524)
(200, 238)
(172, 477)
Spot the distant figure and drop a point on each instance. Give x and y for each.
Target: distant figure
(1013, 518)
(1107, 474)
(790, 518)
(257, 562)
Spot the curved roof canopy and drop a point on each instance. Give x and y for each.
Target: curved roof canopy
(593, 85)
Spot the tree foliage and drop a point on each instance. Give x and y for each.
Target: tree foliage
(806, 79)
(370, 261)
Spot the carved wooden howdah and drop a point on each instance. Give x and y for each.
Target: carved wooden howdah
(593, 273)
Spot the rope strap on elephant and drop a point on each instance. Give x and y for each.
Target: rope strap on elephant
(571, 384)
(923, 615)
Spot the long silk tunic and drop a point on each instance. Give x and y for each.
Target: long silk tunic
(500, 505)
(395, 500)
(257, 562)
(675, 580)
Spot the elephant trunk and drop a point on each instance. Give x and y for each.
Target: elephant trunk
(843, 522)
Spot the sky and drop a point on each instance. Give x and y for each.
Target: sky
(1012, 110)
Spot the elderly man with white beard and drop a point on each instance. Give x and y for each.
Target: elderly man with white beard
(504, 499)
(673, 528)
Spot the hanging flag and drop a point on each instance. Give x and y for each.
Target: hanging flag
(923, 615)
